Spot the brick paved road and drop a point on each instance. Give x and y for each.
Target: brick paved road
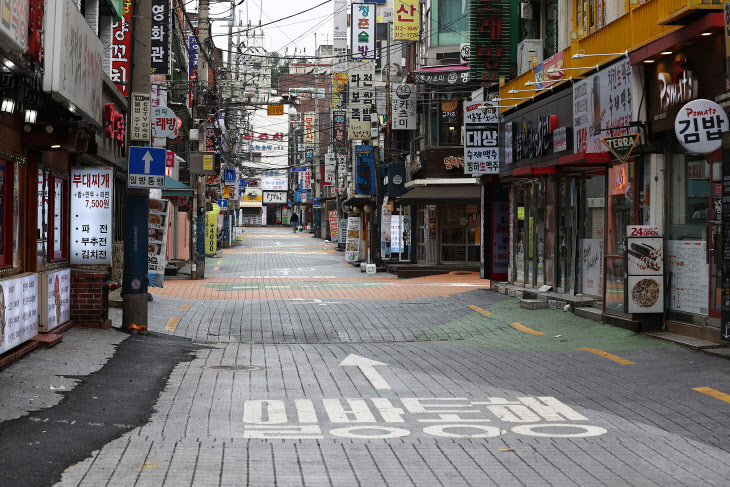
(361, 380)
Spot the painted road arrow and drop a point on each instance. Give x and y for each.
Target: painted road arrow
(367, 367)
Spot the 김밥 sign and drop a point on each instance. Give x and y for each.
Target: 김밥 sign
(157, 242)
(91, 209)
(699, 126)
(18, 311)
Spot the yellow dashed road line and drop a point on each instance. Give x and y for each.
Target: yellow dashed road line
(524, 329)
(185, 306)
(485, 312)
(219, 262)
(172, 323)
(216, 268)
(447, 296)
(609, 356)
(714, 393)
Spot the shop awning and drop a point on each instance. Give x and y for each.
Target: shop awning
(251, 204)
(174, 187)
(358, 198)
(442, 194)
(529, 171)
(586, 159)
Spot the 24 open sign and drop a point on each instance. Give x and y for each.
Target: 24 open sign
(642, 231)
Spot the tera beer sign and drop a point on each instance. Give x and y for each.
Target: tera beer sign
(72, 62)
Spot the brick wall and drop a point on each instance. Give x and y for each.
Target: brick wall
(87, 303)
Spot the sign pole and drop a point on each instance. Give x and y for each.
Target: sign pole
(725, 239)
(136, 201)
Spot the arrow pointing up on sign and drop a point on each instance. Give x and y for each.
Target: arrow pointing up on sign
(147, 158)
(367, 367)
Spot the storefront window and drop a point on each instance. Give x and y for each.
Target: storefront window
(520, 238)
(446, 120)
(459, 241)
(6, 212)
(620, 215)
(58, 211)
(449, 22)
(694, 185)
(566, 233)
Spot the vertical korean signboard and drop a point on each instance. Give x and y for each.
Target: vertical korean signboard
(404, 107)
(405, 27)
(121, 48)
(160, 37)
(14, 25)
(481, 154)
(489, 36)
(91, 208)
(362, 98)
(600, 102)
(362, 32)
(193, 66)
(352, 249)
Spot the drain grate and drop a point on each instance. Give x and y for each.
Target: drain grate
(248, 368)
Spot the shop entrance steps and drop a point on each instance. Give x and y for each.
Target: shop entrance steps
(590, 313)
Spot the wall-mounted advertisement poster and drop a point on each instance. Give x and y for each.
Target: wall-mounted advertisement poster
(18, 311)
(56, 296)
(157, 242)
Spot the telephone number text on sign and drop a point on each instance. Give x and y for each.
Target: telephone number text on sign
(384, 418)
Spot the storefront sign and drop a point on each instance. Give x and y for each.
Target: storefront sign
(481, 153)
(14, 25)
(603, 106)
(509, 143)
(164, 123)
(364, 169)
(340, 19)
(490, 36)
(141, 126)
(160, 37)
(270, 183)
(362, 94)
(253, 194)
(552, 67)
(359, 131)
(500, 238)
(645, 266)
(560, 139)
(274, 110)
(211, 231)
(193, 52)
(91, 196)
(646, 256)
(443, 78)
(726, 35)
(352, 248)
(309, 122)
(534, 141)
(274, 198)
(642, 231)
(333, 225)
(404, 107)
(18, 311)
(385, 238)
(56, 296)
(362, 32)
(73, 59)
(453, 162)
(405, 26)
(157, 241)
(339, 52)
(621, 145)
(120, 49)
(339, 89)
(699, 126)
(678, 90)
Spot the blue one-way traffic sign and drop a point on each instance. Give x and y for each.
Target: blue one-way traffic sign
(146, 168)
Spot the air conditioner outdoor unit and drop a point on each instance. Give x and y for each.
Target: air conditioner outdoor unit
(528, 51)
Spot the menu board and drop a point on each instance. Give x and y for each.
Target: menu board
(57, 297)
(396, 242)
(645, 257)
(18, 311)
(385, 236)
(91, 209)
(157, 242)
(690, 276)
(333, 224)
(352, 249)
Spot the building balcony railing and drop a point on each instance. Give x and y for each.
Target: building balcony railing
(642, 25)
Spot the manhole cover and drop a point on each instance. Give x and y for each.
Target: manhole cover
(233, 367)
(463, 273)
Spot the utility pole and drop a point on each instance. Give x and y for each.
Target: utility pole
(203, 34)
(136, 203)
(313, 183)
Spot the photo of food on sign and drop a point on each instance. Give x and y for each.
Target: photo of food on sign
(645, 294)
(646, 256)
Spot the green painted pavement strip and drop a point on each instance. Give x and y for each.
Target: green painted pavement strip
(289, 285)
(495, 332)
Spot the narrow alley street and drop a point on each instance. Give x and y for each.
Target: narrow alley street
(289, 367)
